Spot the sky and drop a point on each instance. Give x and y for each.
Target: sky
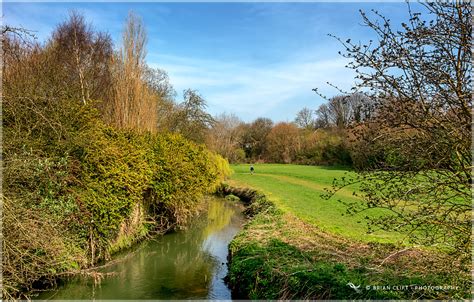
(250, 59)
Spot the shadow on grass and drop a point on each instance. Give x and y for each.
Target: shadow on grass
(278, 270)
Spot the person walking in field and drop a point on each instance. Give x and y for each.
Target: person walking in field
(251, 169)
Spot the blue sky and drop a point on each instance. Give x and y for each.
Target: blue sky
(251, 59)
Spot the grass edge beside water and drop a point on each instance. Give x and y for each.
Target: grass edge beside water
(280, 256)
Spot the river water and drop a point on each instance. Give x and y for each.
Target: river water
(188, 264)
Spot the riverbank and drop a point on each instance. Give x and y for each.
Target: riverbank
(278, 255)
(185, 264)
(71, 203)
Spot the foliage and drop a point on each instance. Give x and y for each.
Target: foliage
(283, 143)
(71, 181)
(261, 141)
(325, 147)
(191, 119)
(254, 138)
(184, 172)
(103, 173)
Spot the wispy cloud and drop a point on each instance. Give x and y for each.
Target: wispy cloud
(251, 92)
(252, 59)
(105, 17)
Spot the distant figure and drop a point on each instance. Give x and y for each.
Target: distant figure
(251, 169)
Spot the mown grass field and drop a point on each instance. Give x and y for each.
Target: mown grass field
(298, 189)
(302, 246)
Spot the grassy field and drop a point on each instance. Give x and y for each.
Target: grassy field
(301, 246)
(298, 189)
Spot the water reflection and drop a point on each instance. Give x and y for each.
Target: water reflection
(187, 264)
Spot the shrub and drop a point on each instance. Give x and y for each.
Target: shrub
(325, 147)
(80, 188)
(184, 172)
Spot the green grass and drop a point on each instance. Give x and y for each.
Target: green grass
(276, 256)
(298, 189)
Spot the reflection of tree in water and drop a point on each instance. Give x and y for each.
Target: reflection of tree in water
(192, 263)
(219, 215)
(174, 266)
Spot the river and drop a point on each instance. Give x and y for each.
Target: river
(188, 264)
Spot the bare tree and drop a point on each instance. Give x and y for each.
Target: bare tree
(419, 79)
(21, 33)
(158, 80)
(361, 107)
(340, 111)
(344, 111)
(134, 105)
(224, 137)
(84, 57)
(322, 120)
(305, 119)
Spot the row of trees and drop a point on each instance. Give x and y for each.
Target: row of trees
(77, 60)
(320, 136)
(129, 94)
(408, 134)
(264, 141)
(340, 111)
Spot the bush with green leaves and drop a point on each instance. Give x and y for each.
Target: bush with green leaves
(71, 182)
(86, 185)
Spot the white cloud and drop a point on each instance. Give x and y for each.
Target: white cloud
(251, 92)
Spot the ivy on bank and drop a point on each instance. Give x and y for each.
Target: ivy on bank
(79, 190)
